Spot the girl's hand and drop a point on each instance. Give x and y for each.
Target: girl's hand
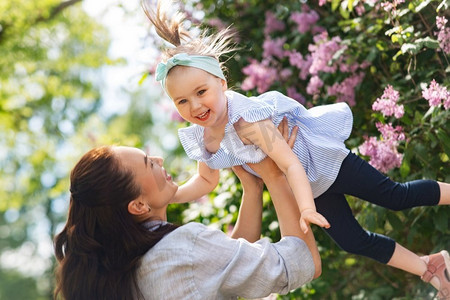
(310, 215)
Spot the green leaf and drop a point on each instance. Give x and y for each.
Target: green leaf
(422, 5)
(394, 220)
(410, 48)
(441, 222)
(335, 4)
(428, 42)
(445, 139)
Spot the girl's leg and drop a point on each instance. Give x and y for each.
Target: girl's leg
(347, 232)
(410, 262)
(445, 193)
(358, 178)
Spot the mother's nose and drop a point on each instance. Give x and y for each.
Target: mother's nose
(158, 159)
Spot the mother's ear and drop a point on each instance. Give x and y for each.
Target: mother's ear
(137, 207)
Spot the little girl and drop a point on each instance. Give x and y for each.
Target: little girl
(231, 129)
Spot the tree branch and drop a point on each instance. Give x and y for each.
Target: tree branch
(57, 9)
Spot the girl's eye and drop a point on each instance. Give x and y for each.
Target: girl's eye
(182, 101)
(201, 92)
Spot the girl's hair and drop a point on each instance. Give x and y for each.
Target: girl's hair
(101, 244)
(172, 31)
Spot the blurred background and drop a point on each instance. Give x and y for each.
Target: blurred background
(79, 73)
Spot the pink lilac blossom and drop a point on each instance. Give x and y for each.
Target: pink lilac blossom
(305, 20)
(391, 133)
(387, 103)
(443, 35)
(292, 93)
(272, 24)
(303, 64)
(169, 109)
(322, 2)
(360, 9)
(383, 153)
(436, 93)
(285, 74)
(322, 53)
(390, 6)
(217, 23)
(175, 116)
(314, 85)
(259, 75)
(273, 47)
(345, 90)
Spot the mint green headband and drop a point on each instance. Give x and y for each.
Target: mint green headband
(206, 63)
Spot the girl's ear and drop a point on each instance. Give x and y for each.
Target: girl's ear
(137, 207)
(224, 85)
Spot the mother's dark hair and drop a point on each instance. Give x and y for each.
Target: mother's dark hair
(101, 244)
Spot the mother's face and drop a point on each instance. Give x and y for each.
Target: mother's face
(157, 186)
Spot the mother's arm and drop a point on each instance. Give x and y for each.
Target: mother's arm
(248, 223)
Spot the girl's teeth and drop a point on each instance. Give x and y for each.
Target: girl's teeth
(203, 114)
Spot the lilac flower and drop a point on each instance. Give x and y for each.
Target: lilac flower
(217, 23)
(390, 133)
(260, 75)
(303, 64)
(345, 91)
(315, 83)
(387, 104)
(273, 47)
(292, 93)
(305, 20)
(435, 94)
(322, 53)
(272, 24)
(443, 35)
(285, 73)
(390, 6)
(176, 117)
(383, 153)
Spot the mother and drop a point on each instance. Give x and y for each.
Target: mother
(117, 243)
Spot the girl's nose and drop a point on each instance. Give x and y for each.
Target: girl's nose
(195, 106)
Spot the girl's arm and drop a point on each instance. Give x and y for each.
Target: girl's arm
(248, 223)
(198, 185)
(265, 135)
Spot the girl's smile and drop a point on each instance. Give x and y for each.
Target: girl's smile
(204, 116)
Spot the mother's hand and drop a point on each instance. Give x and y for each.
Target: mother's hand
(267, 167)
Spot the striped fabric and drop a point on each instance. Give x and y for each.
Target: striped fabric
(319, 145)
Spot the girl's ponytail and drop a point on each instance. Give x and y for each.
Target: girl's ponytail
(170, 30)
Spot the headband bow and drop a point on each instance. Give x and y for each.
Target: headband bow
(206, 63)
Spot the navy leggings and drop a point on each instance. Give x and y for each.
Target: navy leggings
(357, 178)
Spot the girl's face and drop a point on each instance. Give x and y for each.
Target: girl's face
(157, 186)
(198, 96)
